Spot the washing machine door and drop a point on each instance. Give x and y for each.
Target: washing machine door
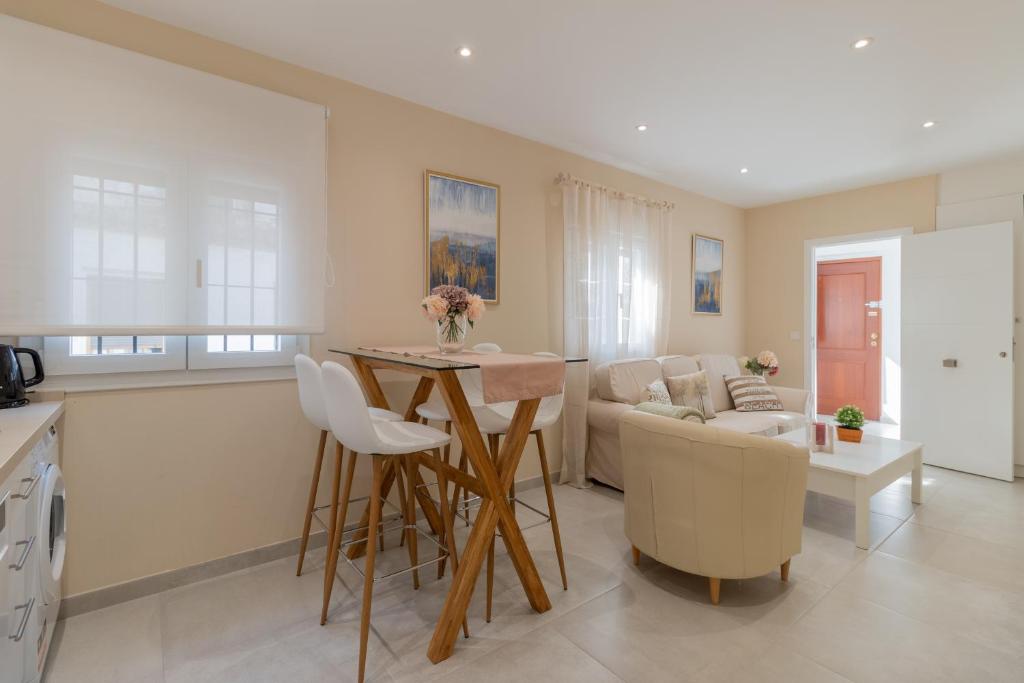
(52, 535)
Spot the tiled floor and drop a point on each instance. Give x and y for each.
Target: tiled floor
(939, 598)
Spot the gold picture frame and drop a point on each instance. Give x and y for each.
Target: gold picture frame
(460, 209)
(707, 275)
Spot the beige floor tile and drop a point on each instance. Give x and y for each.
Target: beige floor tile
(991, 563)
(867, 642)
(119, 643)
(987, 615)
(777, 665)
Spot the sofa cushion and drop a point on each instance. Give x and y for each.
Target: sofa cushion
(657, 392)
(673, 366)
(692, 391)
(718, 367)
(626, 381)
(675, 412)
(761, 424)
(751, 394)
(603, 416)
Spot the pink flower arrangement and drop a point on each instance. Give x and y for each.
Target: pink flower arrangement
(447, 303)
(765, 363)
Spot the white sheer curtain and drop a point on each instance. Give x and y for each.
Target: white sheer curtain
(616, 290)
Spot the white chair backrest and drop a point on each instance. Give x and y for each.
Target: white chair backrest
(311, 393)
(487, 347)
(347, 412)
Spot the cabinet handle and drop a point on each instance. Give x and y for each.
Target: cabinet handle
(24, 553)
(31, 488)
(24, 619)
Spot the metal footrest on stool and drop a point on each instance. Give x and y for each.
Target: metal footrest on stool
(326, 526)
(464, 506)
(381, 530)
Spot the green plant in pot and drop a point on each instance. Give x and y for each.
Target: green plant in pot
(849, 419)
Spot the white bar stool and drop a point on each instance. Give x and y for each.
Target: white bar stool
(350, 421)
(311, 398)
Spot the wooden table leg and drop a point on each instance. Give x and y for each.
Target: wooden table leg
(493, 510)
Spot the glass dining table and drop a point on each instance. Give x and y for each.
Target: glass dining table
(523, 378)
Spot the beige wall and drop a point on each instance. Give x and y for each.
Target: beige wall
(166, 478)
(775, 255)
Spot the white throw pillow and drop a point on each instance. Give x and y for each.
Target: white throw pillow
(692, 391)
(751, 394)
(657, 392)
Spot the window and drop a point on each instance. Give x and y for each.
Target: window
(145, 353)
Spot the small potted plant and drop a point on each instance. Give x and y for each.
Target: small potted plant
(764, 364)
(849, 419)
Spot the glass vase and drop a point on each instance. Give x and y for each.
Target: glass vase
(451, 334)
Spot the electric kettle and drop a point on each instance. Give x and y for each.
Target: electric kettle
(12, 380)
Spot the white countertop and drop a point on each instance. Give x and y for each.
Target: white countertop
(21, 428)
(858, 459)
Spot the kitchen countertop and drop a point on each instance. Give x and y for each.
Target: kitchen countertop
(21, 428)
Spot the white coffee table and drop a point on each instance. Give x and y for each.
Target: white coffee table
(856, 471)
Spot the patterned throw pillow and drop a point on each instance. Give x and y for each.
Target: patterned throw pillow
(677, 412)
(692, 391)
(657, 392)
(751, 394)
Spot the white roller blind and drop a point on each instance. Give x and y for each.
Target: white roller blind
(144, 197)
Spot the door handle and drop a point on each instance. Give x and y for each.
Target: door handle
(874, 336)
(17, 566)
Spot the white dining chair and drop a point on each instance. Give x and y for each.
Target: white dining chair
(399, 442)
(311, 399)
(494, 421)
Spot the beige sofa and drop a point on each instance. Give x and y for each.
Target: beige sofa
(623, 384)
(709, 501)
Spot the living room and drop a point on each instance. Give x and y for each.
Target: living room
(804, 135)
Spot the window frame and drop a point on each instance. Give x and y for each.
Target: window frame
(199, 358)
(58, 359)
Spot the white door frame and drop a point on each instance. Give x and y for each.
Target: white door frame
(811, 295)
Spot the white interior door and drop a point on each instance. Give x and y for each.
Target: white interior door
(958, 348)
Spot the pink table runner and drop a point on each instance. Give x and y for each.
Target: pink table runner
(505, 376)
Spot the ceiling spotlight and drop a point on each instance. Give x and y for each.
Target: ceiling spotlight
(642, 127)
(928, 124)
(862, 43)
(744, 170)
(465, 51)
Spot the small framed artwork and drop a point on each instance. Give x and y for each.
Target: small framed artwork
(462, 225)
(708, 259)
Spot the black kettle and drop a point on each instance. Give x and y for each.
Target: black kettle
(12, 380)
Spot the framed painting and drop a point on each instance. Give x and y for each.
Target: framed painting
(708, 259)
(463, 233)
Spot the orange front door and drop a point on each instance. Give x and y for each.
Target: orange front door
(850, 336)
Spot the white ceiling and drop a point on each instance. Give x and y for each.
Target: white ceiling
(770, 85)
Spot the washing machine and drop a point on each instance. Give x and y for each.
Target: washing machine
(49, 520)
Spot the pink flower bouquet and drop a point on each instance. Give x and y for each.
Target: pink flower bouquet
(764, 363)
(452, 308)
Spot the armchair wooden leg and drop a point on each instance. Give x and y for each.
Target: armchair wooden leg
(716, 587)
(784, 569)
(636, 556)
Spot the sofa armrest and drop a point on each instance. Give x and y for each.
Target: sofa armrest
(604, 415)
(794, 400)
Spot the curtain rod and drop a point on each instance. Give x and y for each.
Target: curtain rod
(569, 179)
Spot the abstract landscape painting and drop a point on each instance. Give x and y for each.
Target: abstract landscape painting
(462, 227)
(708, 257)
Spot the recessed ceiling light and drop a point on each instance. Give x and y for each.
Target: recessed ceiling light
(642, 127)
(862, 43)
(465, 51)
(744, 170)
(928, 124)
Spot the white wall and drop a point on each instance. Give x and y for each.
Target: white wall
(889, 251)
(990, 193)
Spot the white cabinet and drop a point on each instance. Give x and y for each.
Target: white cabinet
(16, 553)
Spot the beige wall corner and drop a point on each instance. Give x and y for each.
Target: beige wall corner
(775, 255)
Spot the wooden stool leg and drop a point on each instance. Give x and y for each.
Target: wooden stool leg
(546, 472)
(400, 487)
(371, 556)
(311, 503)
(449, 529)
(715, 586)
(334, 550)
(636, 556)
(492, 440)
(332, 530)
(410, 516)
(784, 570)
(464, 467)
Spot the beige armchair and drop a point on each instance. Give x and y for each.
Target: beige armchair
(710, 501)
